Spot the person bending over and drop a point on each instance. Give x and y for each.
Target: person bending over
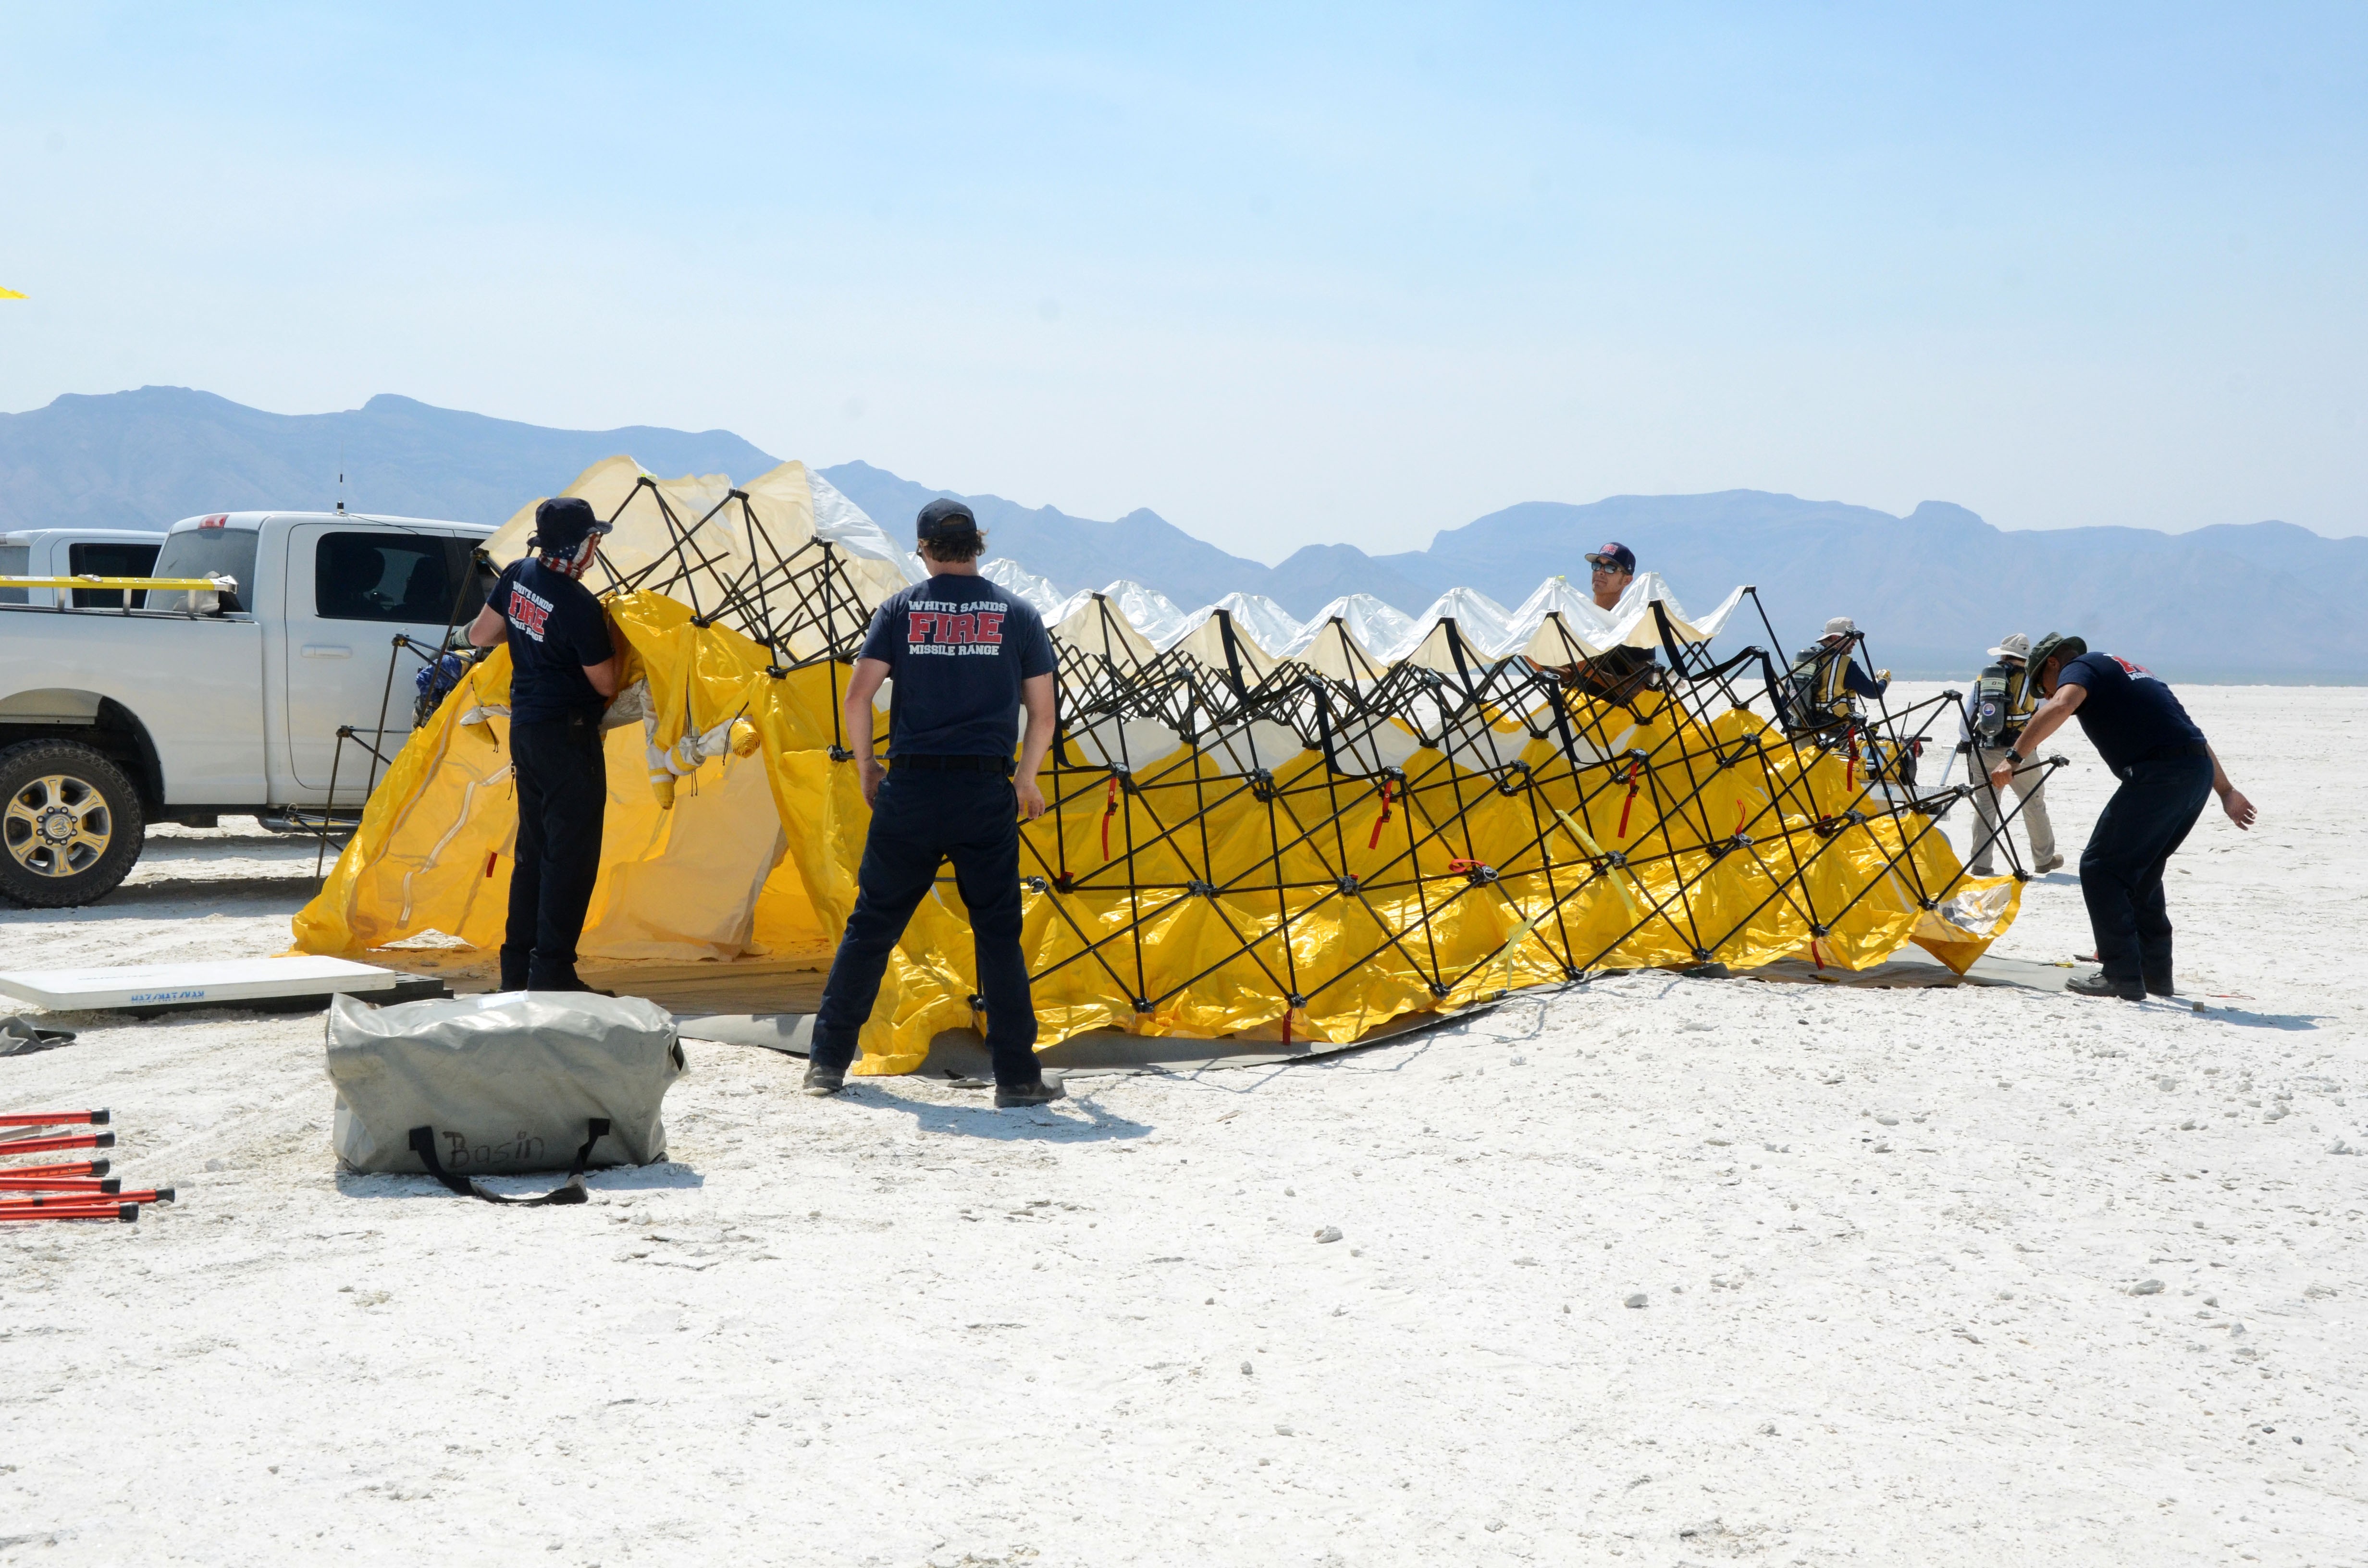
(2166, 767)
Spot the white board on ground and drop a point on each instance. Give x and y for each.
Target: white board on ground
(178, 984)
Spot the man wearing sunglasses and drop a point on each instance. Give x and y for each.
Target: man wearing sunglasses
(1616, 673)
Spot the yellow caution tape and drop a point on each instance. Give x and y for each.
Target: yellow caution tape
(165, 583)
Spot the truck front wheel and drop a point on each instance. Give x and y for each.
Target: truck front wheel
(71, 824)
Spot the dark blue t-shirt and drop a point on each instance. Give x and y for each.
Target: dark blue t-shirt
(957, 648)
(2129, 714)
(556, 628)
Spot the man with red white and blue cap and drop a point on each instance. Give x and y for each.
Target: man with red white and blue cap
(1616, 673)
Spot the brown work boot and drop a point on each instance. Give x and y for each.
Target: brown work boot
(1013, 1096)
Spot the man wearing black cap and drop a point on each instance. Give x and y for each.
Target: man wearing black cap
(1616, 673)
(2166, 767)
(562, 673)
(965, 657)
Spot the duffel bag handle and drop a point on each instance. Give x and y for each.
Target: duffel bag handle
(423, 1144)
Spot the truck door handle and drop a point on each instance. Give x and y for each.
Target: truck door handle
(326, 651)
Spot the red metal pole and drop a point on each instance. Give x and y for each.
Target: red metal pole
(54, 1119)
(76, 1141)
(125, 1213)
(83, 1200)
(12, 1182)
(71, 1168)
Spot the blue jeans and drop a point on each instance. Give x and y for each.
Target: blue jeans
(921, 819)
(2121, 870)
(562, 799)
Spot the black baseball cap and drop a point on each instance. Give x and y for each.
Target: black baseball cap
(1614, 554)
(945, 519)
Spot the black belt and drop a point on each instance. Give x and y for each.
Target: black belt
(2177, 750)
(998, 765)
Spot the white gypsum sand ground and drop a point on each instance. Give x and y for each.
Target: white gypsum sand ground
(1888, 1244)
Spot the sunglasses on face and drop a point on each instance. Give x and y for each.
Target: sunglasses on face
(1613, 571)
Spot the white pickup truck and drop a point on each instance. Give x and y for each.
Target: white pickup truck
(76, 552)
(197, 704)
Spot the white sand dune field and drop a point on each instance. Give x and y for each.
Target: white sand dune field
(1974, 1275)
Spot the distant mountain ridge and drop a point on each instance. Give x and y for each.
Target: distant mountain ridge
(2266, 602)
(2259, 601)
(145, 459)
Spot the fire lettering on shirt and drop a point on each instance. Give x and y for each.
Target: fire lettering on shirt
(948, 628)
(529, 612)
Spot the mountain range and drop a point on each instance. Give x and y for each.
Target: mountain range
(2242, 602)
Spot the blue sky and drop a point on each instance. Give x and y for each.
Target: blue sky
(1285, 275)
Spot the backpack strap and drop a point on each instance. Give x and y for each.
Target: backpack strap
(423, 1144)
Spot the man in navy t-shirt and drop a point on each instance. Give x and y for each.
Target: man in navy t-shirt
(965, 657)
(562, 673)
(2166, 767)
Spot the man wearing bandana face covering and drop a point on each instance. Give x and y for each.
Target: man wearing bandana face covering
(562, 673)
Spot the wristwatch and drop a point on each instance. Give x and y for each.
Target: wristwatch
(2015, 756)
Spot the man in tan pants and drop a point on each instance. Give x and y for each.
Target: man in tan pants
(2001, 704)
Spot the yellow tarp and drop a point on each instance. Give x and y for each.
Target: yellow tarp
(758, 853)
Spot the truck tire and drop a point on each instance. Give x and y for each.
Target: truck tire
(71, 824)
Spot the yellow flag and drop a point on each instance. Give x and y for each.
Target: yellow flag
(10, 294)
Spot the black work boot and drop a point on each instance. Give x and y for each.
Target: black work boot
(2160, 985)
(823, 1080)
(1013, 1096)
(2098, 985)
(514, 962)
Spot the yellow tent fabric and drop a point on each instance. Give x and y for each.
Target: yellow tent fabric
(1243, 882)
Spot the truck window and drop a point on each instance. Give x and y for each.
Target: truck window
(110, 559)
(15, 560)
(389, 576)
(207, 552)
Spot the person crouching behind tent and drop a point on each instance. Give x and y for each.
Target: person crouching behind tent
(2002, 701)
(1826, 681)
(2166, 767)
(965, 657)
(562, 673)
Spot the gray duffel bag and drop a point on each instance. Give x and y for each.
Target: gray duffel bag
(496, 1084)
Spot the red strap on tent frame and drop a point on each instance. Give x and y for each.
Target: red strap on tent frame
(75, 1141)
(1385, 817)
(54, 1119)
(1633, 764)
(1108, 810)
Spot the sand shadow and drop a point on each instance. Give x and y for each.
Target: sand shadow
(659, 1175)
(1076, 1119)
(2289, 1023)
(135, 900)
